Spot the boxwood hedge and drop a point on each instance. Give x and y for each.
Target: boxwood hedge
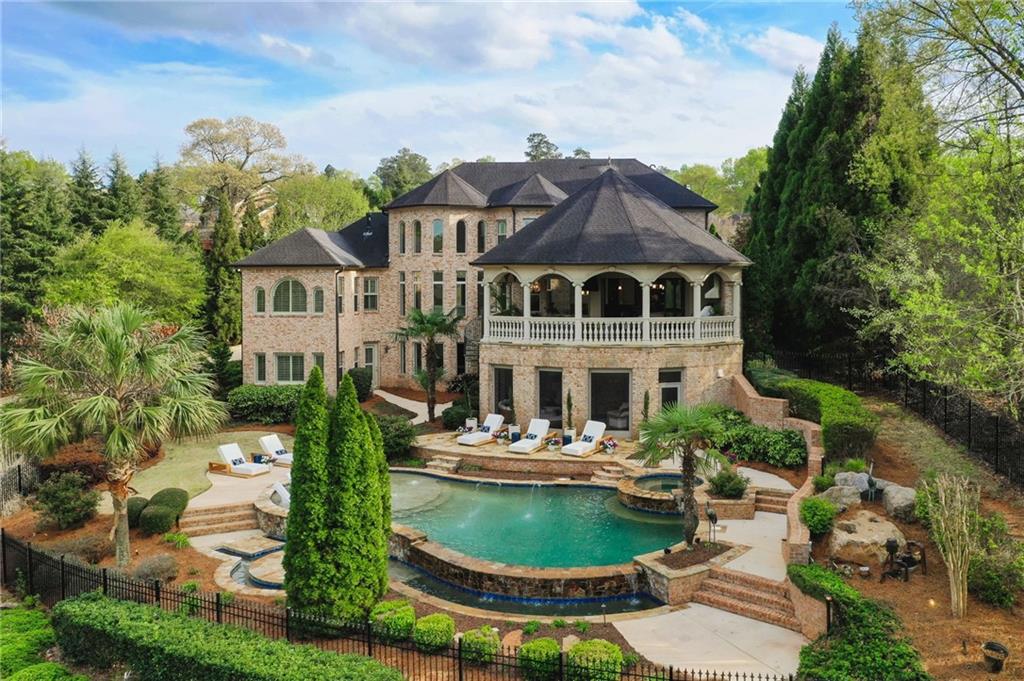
(171, 497)
(265, 403)
(393, 620)
(165, 646)
(434, 632)
(538, 659)
(156, 519)
(594, 660)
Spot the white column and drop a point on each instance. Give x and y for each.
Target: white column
(577, 288)
(645, 295)
(526, 312)
(486, 293)
(696, 310)
(737, 290)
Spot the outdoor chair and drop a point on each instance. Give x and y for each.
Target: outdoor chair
(272, 447)
(284, 497)
(233, 463)
(590, 440)
(534, 437)
(486, 433)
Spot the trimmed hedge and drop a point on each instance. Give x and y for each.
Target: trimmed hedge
(163, 646)
(480, 646)
(173, 498)
(393, 620)
(867, 643)
(538, 659)
(46, 671)
(362, 379)
(434, 633)
(135, 506)
(728, 483)
(397, 434)
(455, 415)
(265, 403)
(594, 660)
(156, 519)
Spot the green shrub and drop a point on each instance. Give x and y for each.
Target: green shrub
(581, 626)
(823, 482)
(455, 416)
(171, 497)
(162, 566)
(749, 442)
(135, 506)
(531, 627)
(996, 574)
(393, 620)
(847, 427)
(434, 633)
(164, 646)
(594, 660)
(818, 514)
(26, 634)
(922, 504)
(46, 671)
(855, 465)
(480, 646)
(65, 500)
(538, 659)
(264, 403)
(88, 548)
(178, 540)
(559, 623)
(766, 378)
(362, 378)
(727, 483)
(398, 435)
(156, 519)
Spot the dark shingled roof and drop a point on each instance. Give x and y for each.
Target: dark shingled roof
(446, 189)
(612, 220)
(536, 190)
(495, 180)
(364, 243)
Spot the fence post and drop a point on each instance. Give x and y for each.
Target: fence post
(369, 639)
(849, 371)
(287, 624)
(924, 398)
(62, 587)
(561, 666)
(996, 464)
(156, 591)
(216, 597)
(459, 652)
(28, 568)
(104, 572)
(906, 390)
(828, 615)
(20, 491)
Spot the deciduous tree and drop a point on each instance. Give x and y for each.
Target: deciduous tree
(402, 172)
(539, 147)
(319, 202)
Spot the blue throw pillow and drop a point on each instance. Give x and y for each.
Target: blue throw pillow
(531, 436)
(485, 429)
(588, 438)
(237, 462)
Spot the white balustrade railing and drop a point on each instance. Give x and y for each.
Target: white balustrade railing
(610, 330)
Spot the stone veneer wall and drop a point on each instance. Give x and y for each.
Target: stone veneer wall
(272, 518)
(677, 586)
(700, 364)
(633, 496)
(565, 466)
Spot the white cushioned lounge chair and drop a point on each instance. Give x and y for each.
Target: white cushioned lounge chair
(588, 442)
(533, 439)
(233, 463)
(284, 497)
(485, 433)
(272, 447)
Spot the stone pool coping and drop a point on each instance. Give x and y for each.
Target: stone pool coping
(632, 496)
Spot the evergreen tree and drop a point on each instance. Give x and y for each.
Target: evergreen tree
(87, 200)
(308, 565)
(124, 199)
(384, 488)
(160, 207)
(224, 288)
(251, 236)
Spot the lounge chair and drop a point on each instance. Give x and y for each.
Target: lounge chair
(284, 497)
(486, 433)
(533, 439)
(590, 440)
(233, 463)
(272, 447)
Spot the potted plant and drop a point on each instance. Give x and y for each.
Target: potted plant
(568, 433)
(553, 443)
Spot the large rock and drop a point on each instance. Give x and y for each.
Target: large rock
(861, 539)
(899, 502)
(843, 496)
(858, 480)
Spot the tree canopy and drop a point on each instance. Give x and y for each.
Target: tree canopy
(402, 172)
(318, 201)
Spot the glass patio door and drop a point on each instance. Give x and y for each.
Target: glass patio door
(549, 384)
(609, 399)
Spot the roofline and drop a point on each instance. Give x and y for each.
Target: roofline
(735, 263)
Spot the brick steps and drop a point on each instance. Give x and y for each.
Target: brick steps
(611, 472)
(444, 464)
(217, 519)
(748, 596)
(771, 501)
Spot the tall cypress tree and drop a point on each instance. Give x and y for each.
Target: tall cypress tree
(124, 199)
(383, 482)
(251, 235)
(308, 576)
(87, 200)
(160, 206)
(224, 289)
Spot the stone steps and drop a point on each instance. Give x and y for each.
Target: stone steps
(197, 522)
(771, 500)
(611, 472)
(743, 593)
(444, 464)
(747, 609)
(219, 528)
(749, 596)
(750, 581)
(769, 508)
(226, 517)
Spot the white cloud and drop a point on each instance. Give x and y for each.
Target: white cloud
(784, 49)
(692, 21)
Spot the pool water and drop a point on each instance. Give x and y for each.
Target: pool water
(537, 526)
(663, 482)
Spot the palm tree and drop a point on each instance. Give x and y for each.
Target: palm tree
(119, 376)
(680, 430)
(431, 328)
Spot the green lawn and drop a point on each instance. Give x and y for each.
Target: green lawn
(184, 463)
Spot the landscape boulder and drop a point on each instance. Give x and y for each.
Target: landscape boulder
(899, 502)
(858, 480)
(861, 539)
(843, 496)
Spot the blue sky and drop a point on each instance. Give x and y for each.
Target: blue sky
(348, 83)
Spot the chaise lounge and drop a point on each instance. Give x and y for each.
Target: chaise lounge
(272, 447)
(233, 463)
(485, 434)
(534, 437)
(590, 440)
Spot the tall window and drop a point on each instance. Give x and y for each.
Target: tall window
(370, 293)
(318, 360)
(460, 292)
(401, 294)
(261, 367)
(355, 294)
(341, 361)
(460, 236)
(438, 291)
(417, 237)
(481, 236)
(502, 389)
(341, 295)
(261, 300)
(480, 293)
(291, 368)
(318, 300)
(439, 355)
(402, 363)
(438, 236)
(401, 238)
(417, 295)
(417, 357)
(290, 296)
(502, 231)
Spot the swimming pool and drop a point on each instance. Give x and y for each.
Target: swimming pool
(531, 525)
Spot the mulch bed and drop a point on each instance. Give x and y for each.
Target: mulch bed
(378, 405)
(700, 553)
(420, 396)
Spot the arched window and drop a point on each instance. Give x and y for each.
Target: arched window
(401, 238)
(481, 236)
(261, 300)
(417, 237)
(289, 296)
(438, 236)
(460, 236)
(318, 300)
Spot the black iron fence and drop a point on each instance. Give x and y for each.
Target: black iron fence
(993, 437)
(17, 481)
(54, 578)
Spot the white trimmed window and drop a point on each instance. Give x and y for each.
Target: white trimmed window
(502, 231)
(289, 296)
(417, 357)
(438, 291)
(401, 238)
(417, 237)
(481, 236)
(369, 293)
(318, 300)
(401, 294)
(291, 368)
(460, 292)
(341, 295)
(438, 236)
(402, 359)
(260, 368)
(318, 360)
(460, 236)
(261, 300)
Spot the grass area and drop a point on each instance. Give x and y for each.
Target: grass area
(184, 462)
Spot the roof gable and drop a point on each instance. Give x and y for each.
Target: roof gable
(536, 190)
(305, 247)
(446, 189)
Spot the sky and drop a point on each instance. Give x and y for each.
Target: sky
(350, 83)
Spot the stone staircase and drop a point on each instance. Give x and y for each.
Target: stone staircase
(771, 500)
(196, 522)
(444, 464)
(610, 472)
(749, 596)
